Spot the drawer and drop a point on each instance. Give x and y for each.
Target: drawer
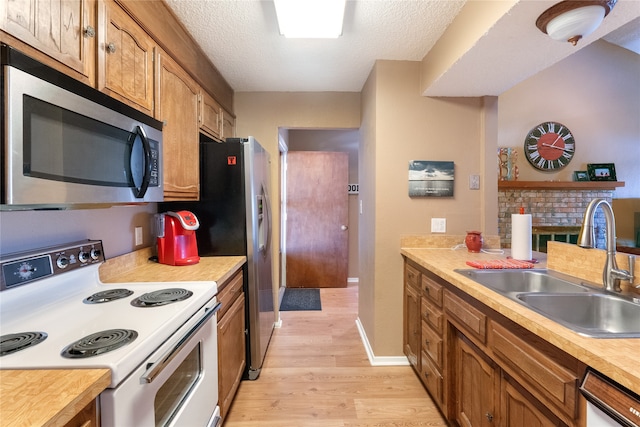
(548, 381)
(432, 290)
(432, 344)
(472, 320)
(432, 315)
(229, 292)
(412, 276)
(432, 379)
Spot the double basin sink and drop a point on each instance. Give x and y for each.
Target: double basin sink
(579, 306)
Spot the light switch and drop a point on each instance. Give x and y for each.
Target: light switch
(474, 182)
(438, 225)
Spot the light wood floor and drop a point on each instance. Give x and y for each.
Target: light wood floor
(316, 374)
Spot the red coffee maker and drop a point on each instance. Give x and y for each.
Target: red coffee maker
(177, 238)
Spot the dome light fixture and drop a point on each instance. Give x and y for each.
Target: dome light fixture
(571, 20)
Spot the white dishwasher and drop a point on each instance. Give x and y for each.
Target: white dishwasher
(608, 403)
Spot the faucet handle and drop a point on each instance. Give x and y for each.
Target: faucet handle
(632, 264)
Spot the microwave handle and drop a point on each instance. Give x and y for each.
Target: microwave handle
(140, 192)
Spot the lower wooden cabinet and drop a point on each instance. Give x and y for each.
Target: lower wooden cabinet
(518, 410)
(231, 341)
(480, 368)
(476, 384)
(87, 417)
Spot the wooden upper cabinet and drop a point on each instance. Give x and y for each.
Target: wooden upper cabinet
(210, 116)
(177, 107)
(62, 30)
(228, 125)
(125, 58)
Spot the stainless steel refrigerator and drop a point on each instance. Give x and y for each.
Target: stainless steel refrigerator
(235, 219)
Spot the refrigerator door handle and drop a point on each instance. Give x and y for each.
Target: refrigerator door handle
(265, 230)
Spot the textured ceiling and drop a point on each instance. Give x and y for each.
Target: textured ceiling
(241, 38)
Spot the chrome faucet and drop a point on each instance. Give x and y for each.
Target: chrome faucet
(611, 275)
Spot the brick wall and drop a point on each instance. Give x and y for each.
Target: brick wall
(563, 208)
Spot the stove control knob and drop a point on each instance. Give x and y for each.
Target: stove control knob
(83, 256)
(96, 253)
(62, 261)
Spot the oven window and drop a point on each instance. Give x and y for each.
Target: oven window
(175, 390)
(61, 145)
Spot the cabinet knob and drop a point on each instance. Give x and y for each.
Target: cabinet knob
(426, 342)
(111, 48)
(489, 416)
(89, 32)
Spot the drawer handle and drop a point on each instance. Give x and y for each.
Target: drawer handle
(111, 48)
(489, 416)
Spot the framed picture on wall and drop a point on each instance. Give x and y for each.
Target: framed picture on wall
(580, 176)
(601, 172)
(430, 178)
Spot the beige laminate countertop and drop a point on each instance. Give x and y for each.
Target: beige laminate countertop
(136, 267)
(48, 397)
(619, 359)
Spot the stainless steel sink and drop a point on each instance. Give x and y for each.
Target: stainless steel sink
(582, 307)
(591, 314)
(517, 281)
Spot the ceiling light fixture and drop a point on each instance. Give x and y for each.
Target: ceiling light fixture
(571, 20)
(310, 18)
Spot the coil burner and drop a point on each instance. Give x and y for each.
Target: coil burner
(11, 343)
(107, 296)
(161, 297)
(99, 343)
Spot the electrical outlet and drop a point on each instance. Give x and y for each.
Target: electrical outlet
(438, 225)
(138, 234)
(474, 182)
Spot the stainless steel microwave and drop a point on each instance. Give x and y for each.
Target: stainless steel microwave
(66, 143)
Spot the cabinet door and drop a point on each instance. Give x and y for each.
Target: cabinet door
(231, 354)
(228, 125)
(178, 110)
(476, 385)
(61, 29)
(412, 325)
(518, 411)
(125, 58)
(210, 116)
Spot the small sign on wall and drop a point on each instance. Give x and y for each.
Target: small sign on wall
(354, 188)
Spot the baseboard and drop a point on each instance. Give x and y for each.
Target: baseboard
(379, 361)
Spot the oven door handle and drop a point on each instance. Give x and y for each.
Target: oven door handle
(154, 369)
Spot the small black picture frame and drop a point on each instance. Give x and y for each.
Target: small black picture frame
(580, 176)
(601, 171)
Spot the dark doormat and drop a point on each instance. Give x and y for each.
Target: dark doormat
(301, 299)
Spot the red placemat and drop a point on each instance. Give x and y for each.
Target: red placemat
(500, 264)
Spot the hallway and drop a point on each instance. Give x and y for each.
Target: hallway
(316, 373)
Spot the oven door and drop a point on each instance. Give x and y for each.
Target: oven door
(176, 386)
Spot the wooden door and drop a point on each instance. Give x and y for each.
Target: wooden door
(125, 58)
(61, 29)
(178, 110)
(476, 386)
(317, 215)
